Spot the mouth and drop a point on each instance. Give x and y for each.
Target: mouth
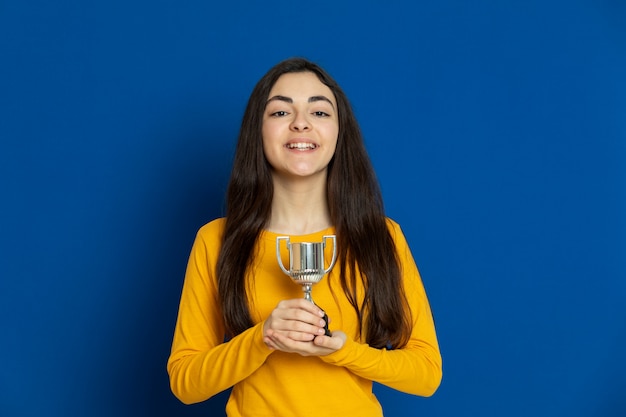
(301, 146)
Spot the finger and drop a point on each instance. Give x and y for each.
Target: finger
(299, 336)
(334, 342)
(269, 343)
(285, 344)
(302, 320)
(301, 348)
(296, 324)
(305, 348)
(301, 304)
(294, 320)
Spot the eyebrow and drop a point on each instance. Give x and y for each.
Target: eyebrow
(312, 99)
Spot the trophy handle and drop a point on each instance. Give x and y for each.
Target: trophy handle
(332, 261)
(280, 260)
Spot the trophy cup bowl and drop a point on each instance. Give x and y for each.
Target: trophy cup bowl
(306, 263)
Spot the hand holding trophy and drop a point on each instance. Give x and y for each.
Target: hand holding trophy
(306, 264)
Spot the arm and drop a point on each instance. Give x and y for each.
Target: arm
(201, 364)
(415, 368)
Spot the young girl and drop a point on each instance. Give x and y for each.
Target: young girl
(301, 170)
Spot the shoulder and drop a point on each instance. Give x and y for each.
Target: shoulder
(394, 227)
(395, 230)
(391, 223)
(213, 230)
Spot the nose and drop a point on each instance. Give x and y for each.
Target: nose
(300, 122)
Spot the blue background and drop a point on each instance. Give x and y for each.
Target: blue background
(497, 129)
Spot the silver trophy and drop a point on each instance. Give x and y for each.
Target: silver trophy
(306, 263)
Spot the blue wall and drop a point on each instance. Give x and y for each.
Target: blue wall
(498, 131)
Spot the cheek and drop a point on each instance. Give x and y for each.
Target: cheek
(332, 134)
(269, 142)
(266, 136)
(269, 131)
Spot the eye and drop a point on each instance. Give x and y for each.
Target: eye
(279, 113)
(321, 114)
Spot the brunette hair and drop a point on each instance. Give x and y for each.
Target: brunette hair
(356, 210)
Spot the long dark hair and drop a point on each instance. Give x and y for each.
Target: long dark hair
(356, 210)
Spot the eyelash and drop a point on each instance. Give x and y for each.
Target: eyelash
(282, 113)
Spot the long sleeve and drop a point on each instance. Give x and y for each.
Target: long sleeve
(266, 382)
(415, 368)
(201, 364)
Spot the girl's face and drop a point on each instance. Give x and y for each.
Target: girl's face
(300, 126)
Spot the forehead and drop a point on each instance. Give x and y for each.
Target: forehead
(301, 85)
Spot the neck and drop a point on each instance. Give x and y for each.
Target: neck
(300, 206)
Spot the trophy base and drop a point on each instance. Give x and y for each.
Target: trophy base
(326, 331)
(325, 318)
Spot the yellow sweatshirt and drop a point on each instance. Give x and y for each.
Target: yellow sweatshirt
(274, 383)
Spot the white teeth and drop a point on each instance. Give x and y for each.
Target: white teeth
(301, 146)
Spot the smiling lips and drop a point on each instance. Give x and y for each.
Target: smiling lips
(301, 146)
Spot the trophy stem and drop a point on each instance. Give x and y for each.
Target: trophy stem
(307, 292)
